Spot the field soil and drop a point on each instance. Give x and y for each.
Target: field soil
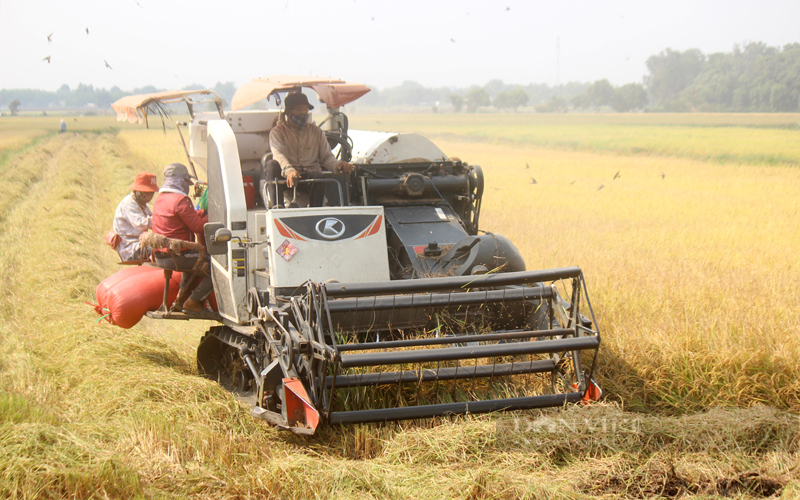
(684, 225)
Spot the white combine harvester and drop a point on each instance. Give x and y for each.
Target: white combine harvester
(386, 304)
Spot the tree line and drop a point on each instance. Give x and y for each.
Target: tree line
(84, 95)
(755, 77)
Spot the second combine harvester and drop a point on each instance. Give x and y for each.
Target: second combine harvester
(388, 304)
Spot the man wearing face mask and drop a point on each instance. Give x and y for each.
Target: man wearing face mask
(300, 150)
(133, 216)
(174, 216)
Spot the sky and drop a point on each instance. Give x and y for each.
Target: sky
(171, 44)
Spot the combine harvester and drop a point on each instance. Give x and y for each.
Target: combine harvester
(388, 304)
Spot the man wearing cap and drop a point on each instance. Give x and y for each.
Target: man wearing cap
(300, 150)
(174, 216)
(133, 216)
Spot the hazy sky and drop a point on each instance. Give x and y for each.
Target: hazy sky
(171, 44)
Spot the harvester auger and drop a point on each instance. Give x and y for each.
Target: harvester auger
(387, 304)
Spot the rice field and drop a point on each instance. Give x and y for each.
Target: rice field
(684, 225)
(727, 138)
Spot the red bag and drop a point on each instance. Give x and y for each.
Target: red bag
(126, 296)
(101, 294)
(130, 299)
(113, 239)
(249, 191)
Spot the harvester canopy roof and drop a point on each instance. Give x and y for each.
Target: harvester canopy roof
(333, 92)
(134, 108)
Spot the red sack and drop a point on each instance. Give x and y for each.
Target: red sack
(249, 191)
(130, 299)
(126, 296)
(107, 284)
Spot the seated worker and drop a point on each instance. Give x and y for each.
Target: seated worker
(133, 216)
(174, 216)
(300, 150)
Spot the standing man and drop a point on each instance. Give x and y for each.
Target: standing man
(63, 126)
(299, 150)
(133, 216)
(174, 216)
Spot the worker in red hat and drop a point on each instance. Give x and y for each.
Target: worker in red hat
(134, 216)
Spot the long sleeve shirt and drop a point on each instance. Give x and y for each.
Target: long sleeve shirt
(301, 149)
(130, 220)
(175, 217)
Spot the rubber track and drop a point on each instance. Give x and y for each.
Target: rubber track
(230, 337)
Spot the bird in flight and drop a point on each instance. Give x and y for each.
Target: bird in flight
(527, 166)
(140, 5)
(87, 31)
(616, 176)
(47, 59)
(571, 183)
(49, 39)
(107, 65)
(663, 175)
(453, 40)
(533, 181)
(601, 187)
(508, 8)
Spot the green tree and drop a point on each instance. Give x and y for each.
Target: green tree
(513, 99)
(780, 98)
(13, 106)
(457, 101)
(581, 101)
(671, 72)
(600, 93)
(629, 97)
(494, 87)
(225, 91)
(476, 98)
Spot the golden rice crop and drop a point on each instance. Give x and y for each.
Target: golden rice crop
(690, 273)
(726, 138)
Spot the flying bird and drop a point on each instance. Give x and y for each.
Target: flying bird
(571, 183)
(533, 181)
(47, 59)
(137, 3)
(87, 31)
(107, 65)
(601, 187)
(49, 40)
(616, 176)
(527, 166)
(663, 175)
(373, 18)
(452, 40)
(508, 8)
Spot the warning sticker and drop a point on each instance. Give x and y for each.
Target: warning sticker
(286, 250)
